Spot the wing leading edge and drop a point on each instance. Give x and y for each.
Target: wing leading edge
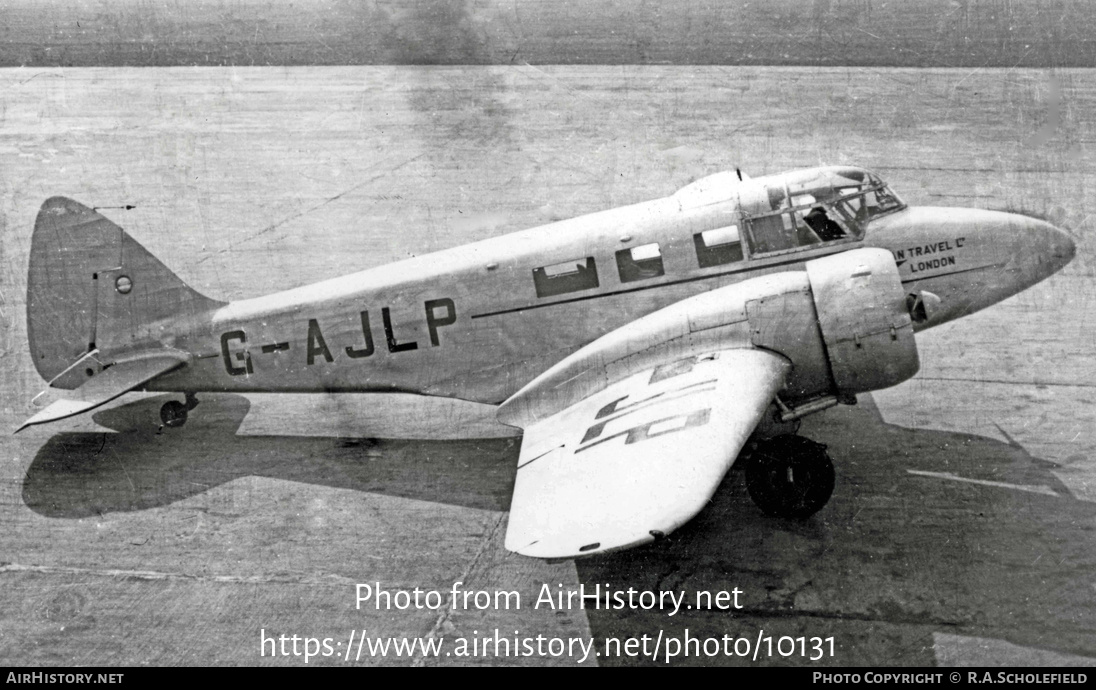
(639, 458)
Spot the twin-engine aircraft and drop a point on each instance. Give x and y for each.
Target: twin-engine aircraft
(642, 350)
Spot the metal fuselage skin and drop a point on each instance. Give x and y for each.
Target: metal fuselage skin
(468, 323)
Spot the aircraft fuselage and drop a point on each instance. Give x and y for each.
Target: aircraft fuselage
(479, 321)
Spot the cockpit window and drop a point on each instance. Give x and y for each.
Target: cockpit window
(815, 206)
(822, 226)
(772, 233)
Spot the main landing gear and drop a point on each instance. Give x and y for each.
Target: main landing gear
(174, 413)
(789, 476)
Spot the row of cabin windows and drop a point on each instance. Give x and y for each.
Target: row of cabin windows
(713, 248)
(798, 227)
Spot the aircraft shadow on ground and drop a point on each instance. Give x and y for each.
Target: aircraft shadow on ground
(77, 475)
(893, 558)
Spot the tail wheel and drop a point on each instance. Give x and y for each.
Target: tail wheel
(173, 413)
(789, 477)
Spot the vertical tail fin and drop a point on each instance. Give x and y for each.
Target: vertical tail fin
(91, 286)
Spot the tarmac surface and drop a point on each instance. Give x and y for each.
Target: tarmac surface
(962, 527)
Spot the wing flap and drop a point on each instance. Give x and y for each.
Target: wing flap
(639, 458)
(109, 383)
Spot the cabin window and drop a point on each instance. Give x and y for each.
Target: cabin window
(640, 263)
(719, 246)
(567, 276)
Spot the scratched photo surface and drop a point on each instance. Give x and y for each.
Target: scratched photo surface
(313, 143)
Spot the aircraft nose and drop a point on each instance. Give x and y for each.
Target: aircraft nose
(971, 258)
(1063, 248)
(1053, 247)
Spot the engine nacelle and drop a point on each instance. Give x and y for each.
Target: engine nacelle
(843, 324)
(864, 319)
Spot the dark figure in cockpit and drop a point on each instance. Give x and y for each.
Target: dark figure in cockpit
(822, 225)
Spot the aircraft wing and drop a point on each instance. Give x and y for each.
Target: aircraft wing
(640, 456)
(107, 384)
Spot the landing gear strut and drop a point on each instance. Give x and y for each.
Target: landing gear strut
(174, 413)
(789, 476)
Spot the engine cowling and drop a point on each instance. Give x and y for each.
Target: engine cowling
(864, 320)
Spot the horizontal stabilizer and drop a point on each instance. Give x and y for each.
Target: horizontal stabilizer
(108, 384)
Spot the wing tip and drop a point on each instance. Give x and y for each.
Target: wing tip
(557, 552)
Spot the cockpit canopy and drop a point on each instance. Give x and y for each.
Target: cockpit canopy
(806, 207)
(792, 210)
(854, 191)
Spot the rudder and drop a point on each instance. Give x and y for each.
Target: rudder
(92, 286)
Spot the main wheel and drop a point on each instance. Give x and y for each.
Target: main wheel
(173, 413)
(789, 477)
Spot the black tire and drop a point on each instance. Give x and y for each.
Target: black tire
(173, 413)
(789, 477)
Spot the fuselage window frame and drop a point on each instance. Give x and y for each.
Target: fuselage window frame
(565, 277)
(640, 263)
(719, 253)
